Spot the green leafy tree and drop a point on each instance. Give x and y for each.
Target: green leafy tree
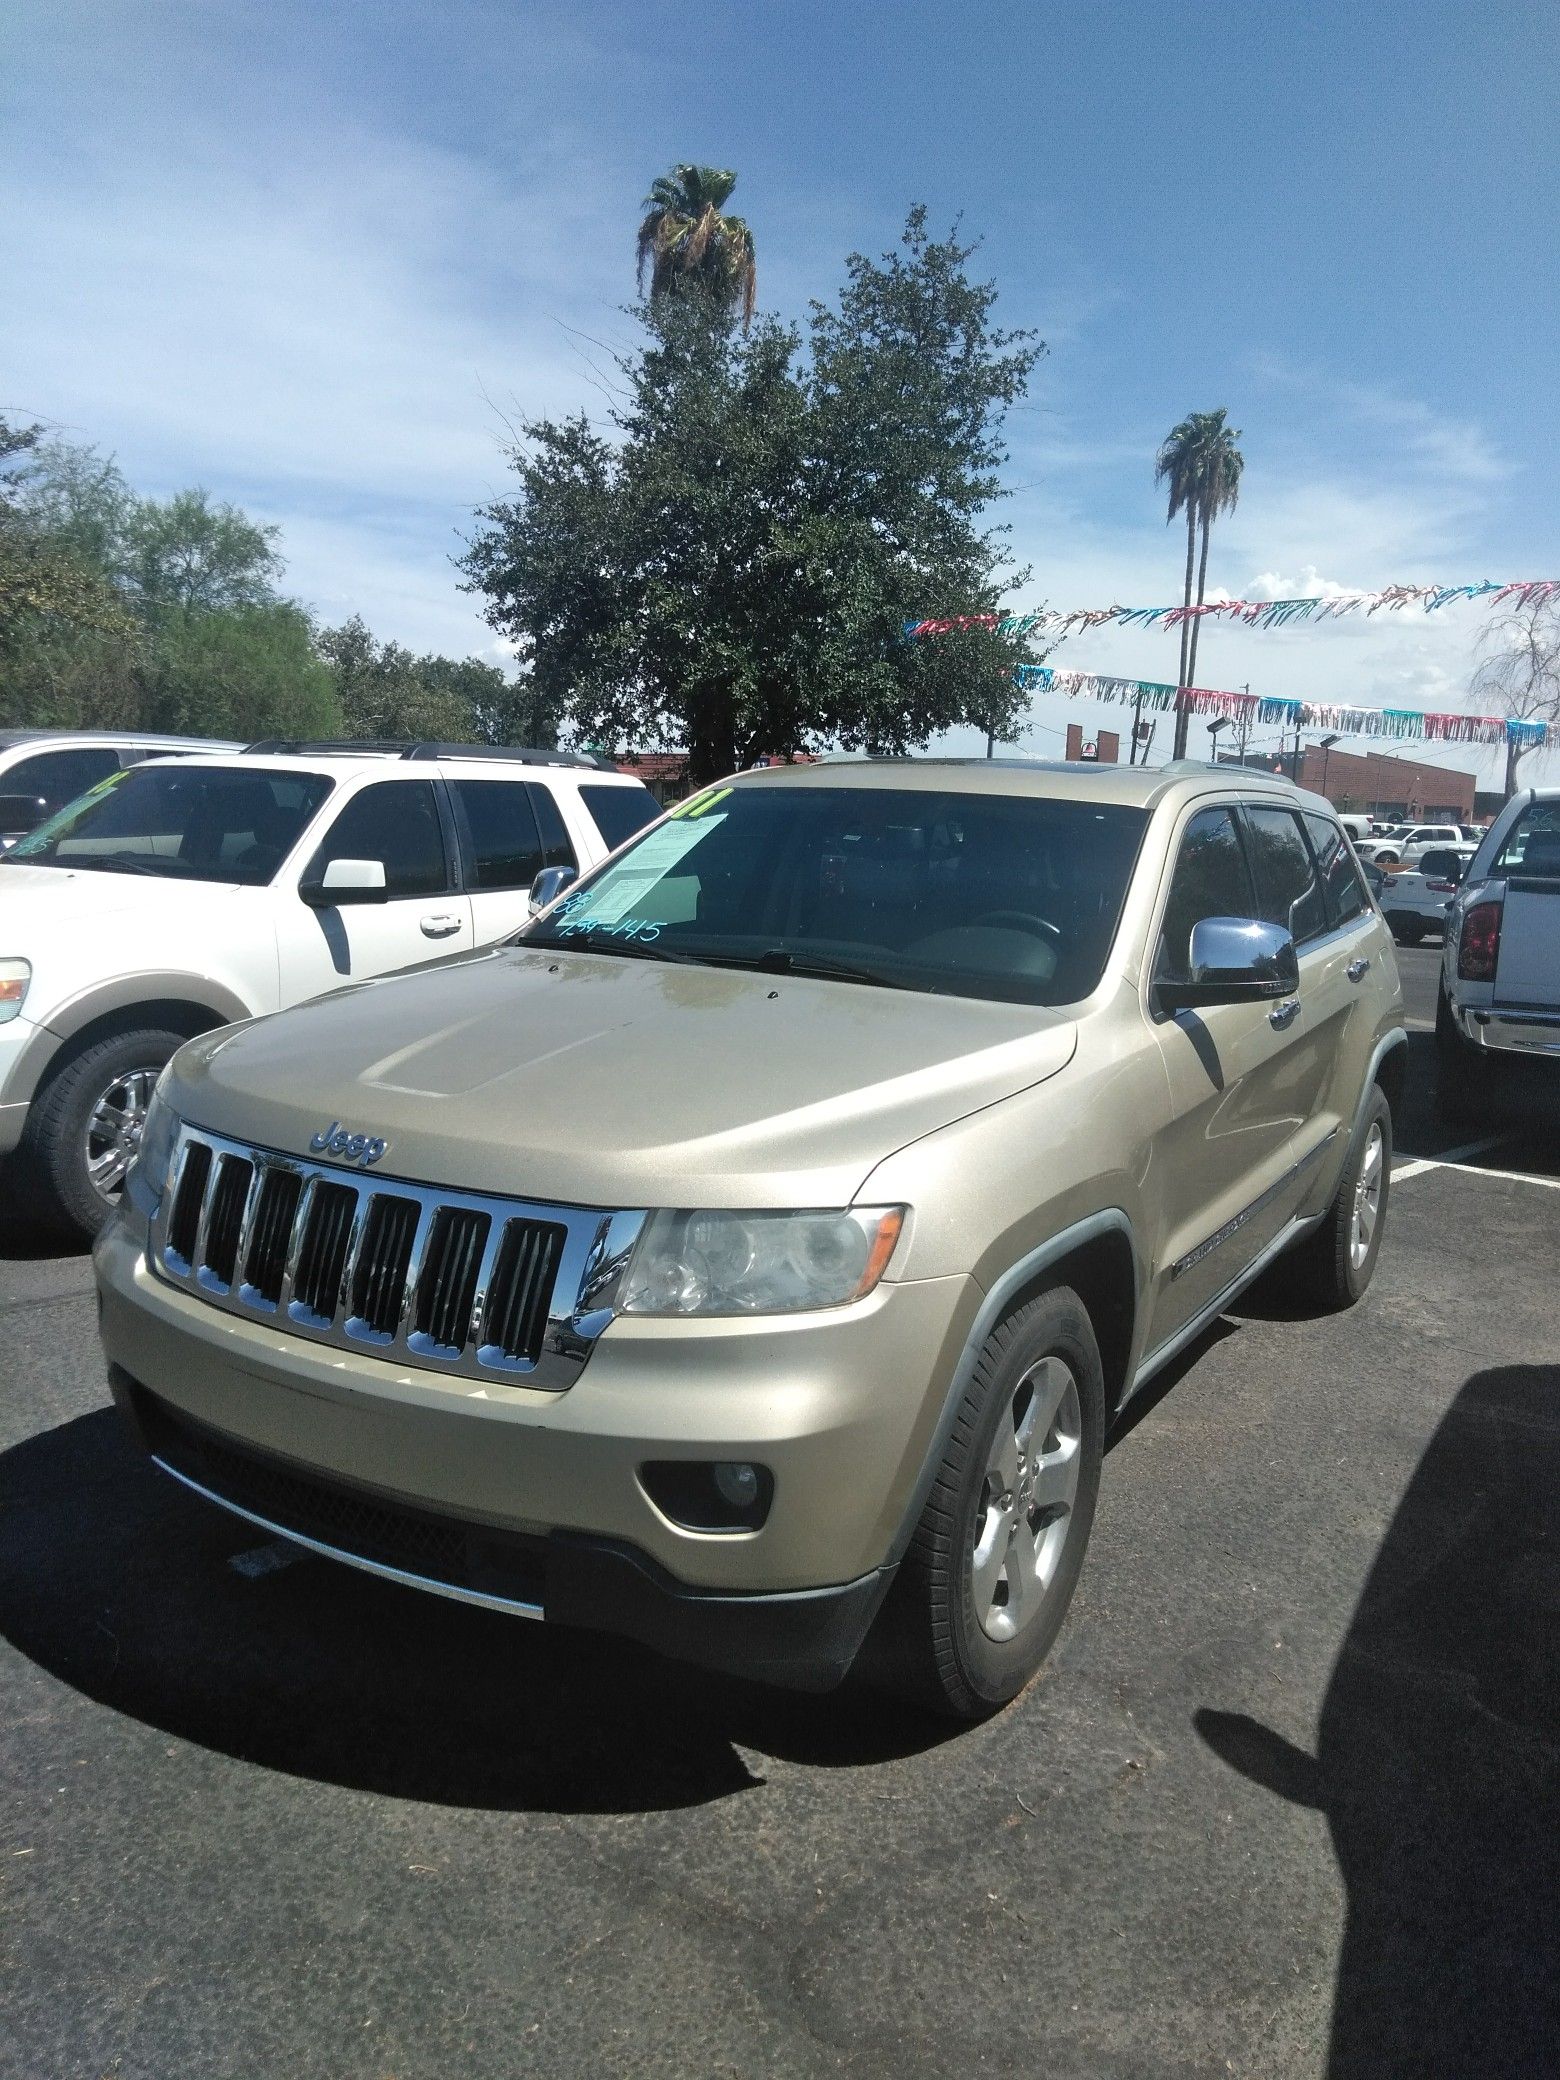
(244, 672)
(690, 247)
(190, 554)
(729, 571)
(387, 691)
(1201, 466)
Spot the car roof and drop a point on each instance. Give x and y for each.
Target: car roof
(1142, 787)
(336, 765)
(11, 738)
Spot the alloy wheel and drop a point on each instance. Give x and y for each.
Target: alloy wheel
(1367, 1197)
(1025, 1510)
(114, 1128)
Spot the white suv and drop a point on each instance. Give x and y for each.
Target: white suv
(41, 770)
(178, 896)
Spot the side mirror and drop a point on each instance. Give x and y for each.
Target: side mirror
(346, 881)
(1457, 872)
(1235, 960)
(548, 886)
(21, 813)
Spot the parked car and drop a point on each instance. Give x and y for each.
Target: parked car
(1405, 845)
(1356, 827)
(1499, 996)
(749, 1257)
(174, 897)
(42, 770)
(1415, 899)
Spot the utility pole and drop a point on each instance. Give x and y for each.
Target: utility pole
(1137, 727)
(1245, 722)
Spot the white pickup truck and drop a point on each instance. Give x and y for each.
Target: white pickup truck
(1500, 968)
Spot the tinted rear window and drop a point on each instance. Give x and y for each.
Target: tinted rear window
(618, 812)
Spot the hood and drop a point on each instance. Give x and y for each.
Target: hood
(597, 1080)
(38, 898)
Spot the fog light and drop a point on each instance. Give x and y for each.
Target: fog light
(710, 1494)
(737, 1482)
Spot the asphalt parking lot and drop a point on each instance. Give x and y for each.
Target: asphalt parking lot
(1286, 1800)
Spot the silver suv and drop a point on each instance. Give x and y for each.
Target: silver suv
(750, 1256)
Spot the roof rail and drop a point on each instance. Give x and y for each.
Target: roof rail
(407, 748)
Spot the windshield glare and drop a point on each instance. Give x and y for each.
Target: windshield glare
(1013, 897)
(184, 822)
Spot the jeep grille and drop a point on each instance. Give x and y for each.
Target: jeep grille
(454, 1281)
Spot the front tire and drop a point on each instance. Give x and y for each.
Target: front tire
(990, 1572)
(84, 1127)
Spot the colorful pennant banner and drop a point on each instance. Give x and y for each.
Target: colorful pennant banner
(1266, 710)
(1254, 613)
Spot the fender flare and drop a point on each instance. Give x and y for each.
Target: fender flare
(127, 993)
(1112, 1220)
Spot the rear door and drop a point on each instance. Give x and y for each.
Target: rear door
(404, 825)
(510, 829)
(1307, 882)
(1238, 1094)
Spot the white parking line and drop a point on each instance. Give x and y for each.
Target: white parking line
(1455, 1159)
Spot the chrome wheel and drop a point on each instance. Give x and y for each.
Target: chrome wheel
(114, 1131)
(1367, 1197)
(1026, 1504)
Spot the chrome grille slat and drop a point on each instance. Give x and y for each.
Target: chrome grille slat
(458, 1282)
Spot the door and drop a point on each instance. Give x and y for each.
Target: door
(509, 831)
(1225, 1165)
(398, 823)
(1307, 882)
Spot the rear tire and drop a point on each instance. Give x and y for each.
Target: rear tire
(981, 1594)
(1332, 1267)
(1462, 1075)
(1408, 931)
(84, 1127)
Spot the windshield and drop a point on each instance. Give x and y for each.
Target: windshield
(187, 823)
(978, 895)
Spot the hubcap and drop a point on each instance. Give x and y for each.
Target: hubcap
(1367, 1198)
(1026, 1501)
(114, 1130)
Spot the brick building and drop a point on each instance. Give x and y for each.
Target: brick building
(1375, 782)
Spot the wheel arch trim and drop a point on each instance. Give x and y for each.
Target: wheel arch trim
(1111, 1222)
(129, 994)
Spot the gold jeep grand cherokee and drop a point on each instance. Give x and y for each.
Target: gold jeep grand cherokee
(752, 1254)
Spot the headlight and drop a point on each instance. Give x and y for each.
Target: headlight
(759, 1263)
(148, 1178)
(14, 978)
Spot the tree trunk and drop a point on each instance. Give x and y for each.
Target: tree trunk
(1181, 716)
(1513, 756)
(1202, 582)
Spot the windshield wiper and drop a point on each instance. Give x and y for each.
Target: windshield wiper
(118, 863)
(630, 949)
(780, 960)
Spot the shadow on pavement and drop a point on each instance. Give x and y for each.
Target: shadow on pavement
(116, 1582)
(1438, 1756)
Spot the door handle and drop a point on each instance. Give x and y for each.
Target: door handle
(1283, 1015)
(1358, 969)
(438, 927)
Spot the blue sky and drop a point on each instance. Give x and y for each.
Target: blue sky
(314, 258)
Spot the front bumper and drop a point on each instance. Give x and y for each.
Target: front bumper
(538, 1496)
(15, 1037)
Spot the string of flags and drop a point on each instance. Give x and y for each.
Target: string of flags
(1268, 711)
(1252, 613)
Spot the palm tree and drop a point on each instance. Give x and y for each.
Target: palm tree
(688, 244)
(1201, 464)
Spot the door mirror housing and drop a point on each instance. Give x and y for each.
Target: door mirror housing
(346, 881)
(1235, 960)
(21, 813)
(548, 886)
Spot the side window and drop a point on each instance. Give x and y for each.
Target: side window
(506, 850)
(1288, 892)
(1340, 875)
(556, 849)
(618, 812)
(57, 777)
(1210, 880)
(397, 823)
